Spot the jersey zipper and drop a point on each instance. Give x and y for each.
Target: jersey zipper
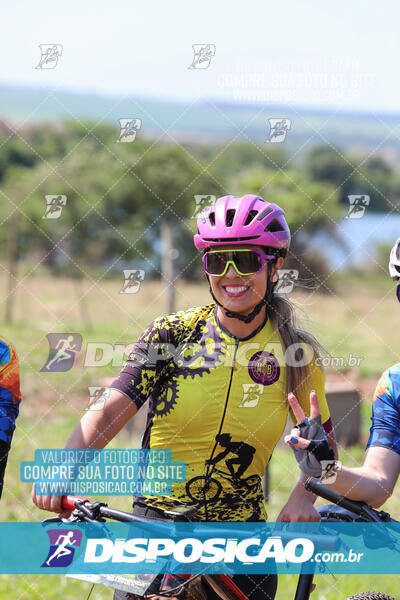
(210, 468)
(226, 399)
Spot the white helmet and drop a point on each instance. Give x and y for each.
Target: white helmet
(394, 261)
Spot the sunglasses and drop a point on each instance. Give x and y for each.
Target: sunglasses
(245, 262)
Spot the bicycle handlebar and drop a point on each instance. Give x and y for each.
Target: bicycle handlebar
(73, 502)
(359, 508)
(329, 542)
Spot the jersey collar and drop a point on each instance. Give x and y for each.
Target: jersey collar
(248, 337)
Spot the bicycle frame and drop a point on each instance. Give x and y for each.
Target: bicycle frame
(223, 584)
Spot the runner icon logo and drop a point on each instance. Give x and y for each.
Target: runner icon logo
(63, 543)
(62, 351)
(251, 395)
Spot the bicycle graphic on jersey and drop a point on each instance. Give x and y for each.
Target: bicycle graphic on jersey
(207, 488)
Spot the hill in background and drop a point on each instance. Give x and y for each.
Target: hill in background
(207, 121)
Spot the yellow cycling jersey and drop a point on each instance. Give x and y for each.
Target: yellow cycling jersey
(219, 403)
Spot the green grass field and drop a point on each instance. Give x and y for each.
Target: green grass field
(359, 319)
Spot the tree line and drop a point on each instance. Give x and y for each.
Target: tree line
(118, 195)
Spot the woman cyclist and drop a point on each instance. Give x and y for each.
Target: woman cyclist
(216, 378)
(374, 481)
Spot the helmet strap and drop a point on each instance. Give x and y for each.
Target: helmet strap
(248, 318)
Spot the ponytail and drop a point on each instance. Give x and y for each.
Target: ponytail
(282, 314)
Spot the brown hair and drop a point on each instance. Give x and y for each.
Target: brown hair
(283, 317)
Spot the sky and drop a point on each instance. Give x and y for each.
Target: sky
(310, 53)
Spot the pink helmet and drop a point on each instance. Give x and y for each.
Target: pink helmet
(245, 220)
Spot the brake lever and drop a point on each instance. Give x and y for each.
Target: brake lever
(52, 520)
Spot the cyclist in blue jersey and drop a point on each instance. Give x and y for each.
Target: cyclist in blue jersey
(10, 397)
(374, 481)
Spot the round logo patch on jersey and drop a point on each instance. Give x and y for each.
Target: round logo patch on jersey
(264, 368)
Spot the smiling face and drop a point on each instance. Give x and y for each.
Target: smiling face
(241, 293)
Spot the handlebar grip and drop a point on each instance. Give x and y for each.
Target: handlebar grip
(321, 489)
(68, 502)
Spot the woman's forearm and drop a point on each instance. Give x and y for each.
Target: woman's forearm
(95, 429)
(90, 432)
(361, 484)
(98, 427)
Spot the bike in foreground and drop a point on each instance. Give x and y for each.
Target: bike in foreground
(341, 509)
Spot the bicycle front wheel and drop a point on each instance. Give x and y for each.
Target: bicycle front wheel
(371, 596)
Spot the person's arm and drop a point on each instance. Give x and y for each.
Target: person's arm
(135, 383)
(219, 457)
(374, 481)
(300, 504)
(95, 430)
(11, 393)
(98, 427)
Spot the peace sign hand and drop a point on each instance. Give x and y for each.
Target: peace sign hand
(308, 439)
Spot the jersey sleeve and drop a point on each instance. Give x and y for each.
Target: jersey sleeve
(148, 361)
(385, 429)
(10, 394)
(316, 382)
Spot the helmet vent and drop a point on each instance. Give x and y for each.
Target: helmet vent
(230, 215)
(274, 226)
(251, 216)
(211, 216)
(229, 240)
(264, 213)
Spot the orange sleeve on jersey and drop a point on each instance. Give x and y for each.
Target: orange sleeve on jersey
(382, 386)
(9, 376)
